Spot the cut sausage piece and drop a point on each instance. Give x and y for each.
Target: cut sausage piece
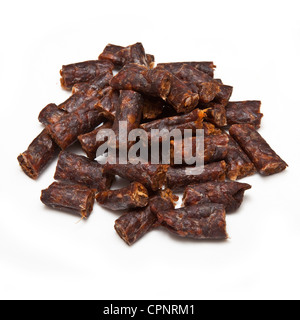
(230, 194)
(83, 72)
(134, 196)
(74, 198)
(38, 155)
(265, 159)
(202, 221)
(74, 168)
(135, 224)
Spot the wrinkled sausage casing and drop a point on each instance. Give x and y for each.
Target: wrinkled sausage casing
(265, 159)
(120, 56)
(51, 114)
(239, 165)
(134, 196)
(130, 111)
(66, 131)
(83, 72)
(73, 198)
(97, 88)
(38, 155)
(181, 97)
(244, 112)
(202, 221)
(230, 194)
(136, 223)
(43, 149)
(174, 67)
(224, 95)
(152, 176)
(198, 81)
(81, 170)
(215, 149)
(192, 120)
(90, 142)
(177, 178)
(153, 82)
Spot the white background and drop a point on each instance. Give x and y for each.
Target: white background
(46, 254)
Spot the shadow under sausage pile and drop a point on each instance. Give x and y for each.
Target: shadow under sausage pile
(181, 95)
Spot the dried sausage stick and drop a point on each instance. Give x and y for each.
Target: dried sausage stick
(265, 159)
(74, 198)
(81, 170)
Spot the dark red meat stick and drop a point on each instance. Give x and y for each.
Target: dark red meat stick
(81, 170)
(51, 114)
(206, 67)
(192, 120)
(239, 165)
(69, 127)
(152, 176)
(120, 56)
(181, 97)
(155, 82)
(43, 149)
(177, 179)
(74, 102)
(96, 88)
(38, 155)
(224, 95)
(83, 72)
(133, 225)
(244, 112)
(130, 111)
(215, 149)
(265, 159)
(134, 196)
(200, 82)
(190, 74)
(90, 142)
(202, 221)
(73, 198)
(230, 194)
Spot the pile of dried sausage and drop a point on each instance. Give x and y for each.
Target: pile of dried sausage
(181, 95)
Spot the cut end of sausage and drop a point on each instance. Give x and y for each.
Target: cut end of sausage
(243, 171)
(27, 167)
(273, 168)
(141, 196)
(64, 85)
(190, 103)
(86, 212)
(168, 195)
(161, 177)
(222, 176)
(165, 88)
(122, 233)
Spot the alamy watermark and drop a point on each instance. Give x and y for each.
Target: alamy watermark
(158, 147)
